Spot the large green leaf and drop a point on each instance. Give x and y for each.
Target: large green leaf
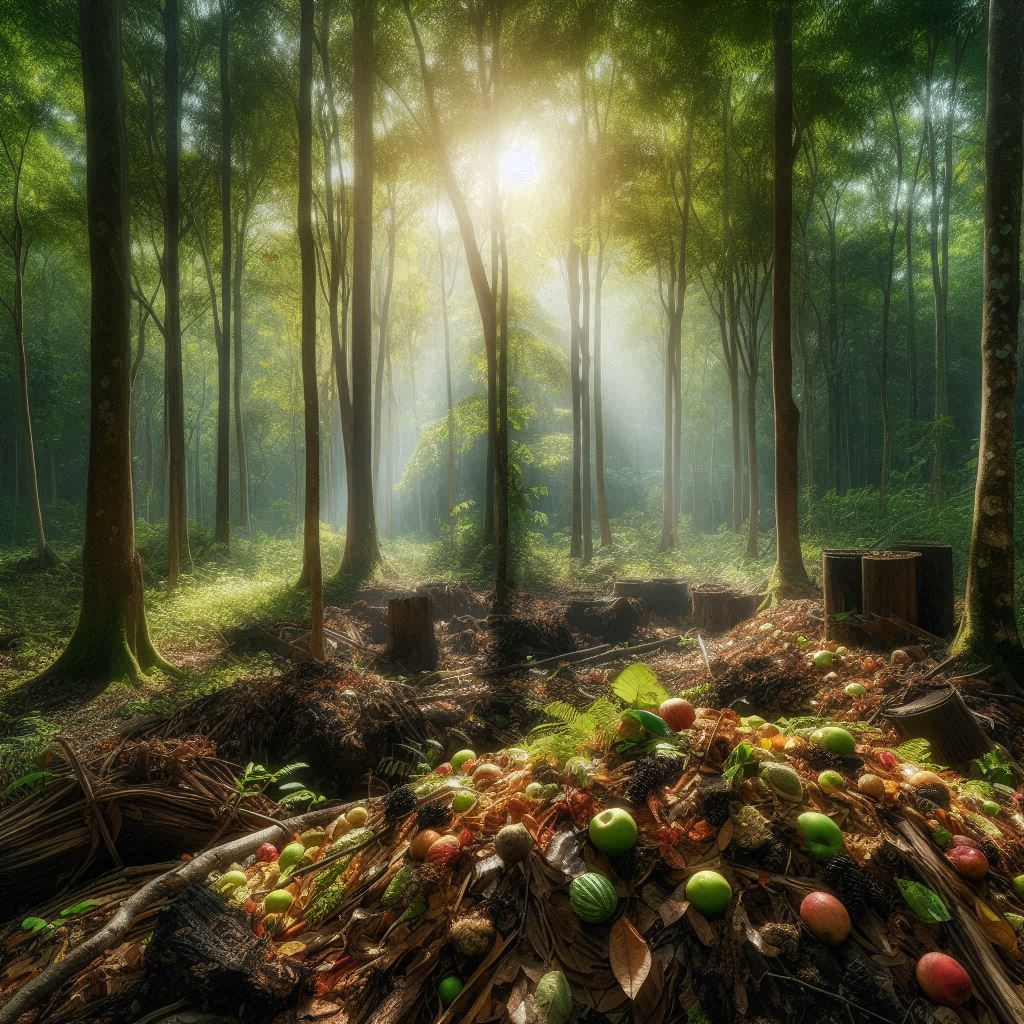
(638, 685)
(926, 904)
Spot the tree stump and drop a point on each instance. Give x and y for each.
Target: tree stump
(665, 597)
(841, 579)
(944, 720)
(935, 595)
(411, 639)
(717, 608)
(889, 584)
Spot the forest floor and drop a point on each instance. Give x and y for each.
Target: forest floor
(254, 585)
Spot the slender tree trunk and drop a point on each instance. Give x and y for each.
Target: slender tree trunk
(241, 450)
(174, 399)
(753, 491)
(576, 398)
(908, 254)
(989, 630)
(668, 485)
(789, 577)
(311, 565)
(604, 524)
(111, 639)
(446, 326)
(19, 254)
(586, 489)
(362, 551)
(383, 344)
(222, 528)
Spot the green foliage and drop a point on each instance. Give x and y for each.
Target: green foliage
(570, 731)
(638, 685)
(919, 752)
(927, 905)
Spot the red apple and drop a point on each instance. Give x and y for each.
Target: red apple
(444, 850)
(267, 853)
(969, 862)
(826, 918)
(943, 979)
(963, 841)
(678, 713)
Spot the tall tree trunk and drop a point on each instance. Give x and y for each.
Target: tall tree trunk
(753, 491)
(222, 527)
(19, 254)
(603, 522)
(241, 451)
(586, 489)
(576, 396)
(789, 578)
(111, 639)
(445, 287)
(908, 255)
(989, 630)
(311, 565)
(668, 485)
(383, 318)
(362, 550)
(174, 399)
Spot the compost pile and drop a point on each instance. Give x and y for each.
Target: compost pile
(637, 859)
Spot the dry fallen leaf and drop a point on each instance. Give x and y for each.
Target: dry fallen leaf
(630, 956)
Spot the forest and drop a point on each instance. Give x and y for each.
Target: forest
(507, 511)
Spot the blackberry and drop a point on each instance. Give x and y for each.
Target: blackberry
(991, 851)
(850, 881)
(644, 779)
(820, 758)
(938, 795)
(433, 814)
(398, 803)
(881, 897)
(716, 806)
(503, 909)
(627, 865)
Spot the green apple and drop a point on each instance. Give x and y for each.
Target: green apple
(535, 791)
(290, 856)
(460, 757)
(836, 740)
(709, 892)
(1018, 886)
(991, 808)
(277, 901)
(613, 831)
(823, 836)
(855, 689)
(831, 780)
(462, 801)
(822, 659)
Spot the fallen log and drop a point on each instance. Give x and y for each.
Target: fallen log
(172, 882)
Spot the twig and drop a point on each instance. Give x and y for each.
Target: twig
(44, 984)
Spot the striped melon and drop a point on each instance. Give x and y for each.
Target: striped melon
(593, 897)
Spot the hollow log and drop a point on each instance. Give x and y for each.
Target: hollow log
(666, 597)
(411, 638)
(889, 584)
(841, 583)
(935, 587)
(944, 720)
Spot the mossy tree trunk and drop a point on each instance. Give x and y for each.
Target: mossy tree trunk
(989, 631)
(222, 528)
(789, 577)
(111, 639)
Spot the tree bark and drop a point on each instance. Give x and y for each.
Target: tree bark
(383, 317)
(174, 399)
(935, 587)
(841, 582)
(446, 288)
(222, 527)
(111, 639)
(889, 584)
(603, 522)
(311, 565)
(362, 550)
(988, 630)
(19, 254)
(411, 639)
(576, 398)
(789, 578)
(241, 450)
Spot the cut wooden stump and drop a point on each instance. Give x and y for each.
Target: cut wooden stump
(717, 608)
(666, 597)
(615, 621)
(841, 578)
(944, 720)
(889, 584)
(935, 587)
(411, 638)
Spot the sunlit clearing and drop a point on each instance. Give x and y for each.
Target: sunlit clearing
(519, 166)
